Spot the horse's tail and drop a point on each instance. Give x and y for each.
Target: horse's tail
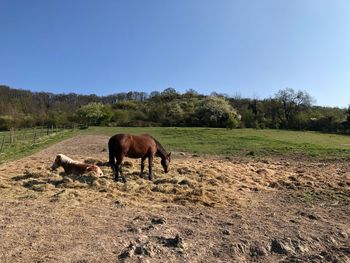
(111, 155)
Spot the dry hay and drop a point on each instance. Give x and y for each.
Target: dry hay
(191, 180)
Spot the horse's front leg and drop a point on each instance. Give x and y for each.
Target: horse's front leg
(121, 173)
(118, 169)
(150, 160)
(142, 165)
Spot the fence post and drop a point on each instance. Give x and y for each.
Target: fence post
(34, 135)
(11, 136)
(2, 143)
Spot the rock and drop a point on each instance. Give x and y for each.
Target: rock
(138, 249)
(257, 250)
(274, 185)
(282, 246)
(226, 232)
(293, 178)
(310, 216)
(183, 170)
(119, 204)
(158, 221)
(178, 242)
(126, 253)
(134, 229)
(262, 172)
(185, 183)
(173, 242)
(343, 234)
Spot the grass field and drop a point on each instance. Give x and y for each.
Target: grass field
(22, 148)
(243, 142)
(235, 143)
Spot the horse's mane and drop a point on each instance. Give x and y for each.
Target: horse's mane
(161, 152)
(66, 159)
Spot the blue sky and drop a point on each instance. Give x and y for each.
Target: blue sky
(249, 47)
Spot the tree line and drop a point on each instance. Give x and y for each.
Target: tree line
(287, 109)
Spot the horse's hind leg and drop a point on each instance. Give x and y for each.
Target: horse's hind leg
(150, 160)
(142, 165)
(119, 167)
(114, 166)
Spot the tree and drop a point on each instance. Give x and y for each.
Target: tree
(291, 103)
(347, 121)
(169, 94)
(94, 113)
(214, 112)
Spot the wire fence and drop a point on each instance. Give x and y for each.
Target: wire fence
(14, 137)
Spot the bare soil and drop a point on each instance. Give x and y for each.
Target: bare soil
(206, 209)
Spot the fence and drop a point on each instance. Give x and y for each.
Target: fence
(29, 135)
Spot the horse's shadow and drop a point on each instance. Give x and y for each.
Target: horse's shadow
(82, 178)
(31, 180)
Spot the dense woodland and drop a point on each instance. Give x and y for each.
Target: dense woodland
(288, 109)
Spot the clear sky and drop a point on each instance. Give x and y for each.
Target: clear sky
(249, 47)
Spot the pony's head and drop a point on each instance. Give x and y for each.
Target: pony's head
(165, 162)
(60, 158)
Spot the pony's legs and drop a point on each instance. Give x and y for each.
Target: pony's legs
(142, 165)
(116, 172)
(119, 167)
(150, 160)
(114, 166)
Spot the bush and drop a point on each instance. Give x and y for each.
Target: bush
(232, 123)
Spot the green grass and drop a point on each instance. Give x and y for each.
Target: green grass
(317, 196)
(242, 142)
(24, 148)
(235, 143)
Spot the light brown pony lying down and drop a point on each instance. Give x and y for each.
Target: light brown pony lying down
(73, 167)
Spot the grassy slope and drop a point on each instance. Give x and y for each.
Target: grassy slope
(239, 142)
(23, 149)
(243, 141)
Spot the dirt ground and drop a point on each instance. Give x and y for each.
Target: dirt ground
(206, 209)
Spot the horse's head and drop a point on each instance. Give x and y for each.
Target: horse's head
(165, 163)
(57, 162)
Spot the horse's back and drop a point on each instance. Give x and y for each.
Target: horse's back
(134, 146)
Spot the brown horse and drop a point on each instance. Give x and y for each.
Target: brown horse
(73, 167)
(135, 146)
